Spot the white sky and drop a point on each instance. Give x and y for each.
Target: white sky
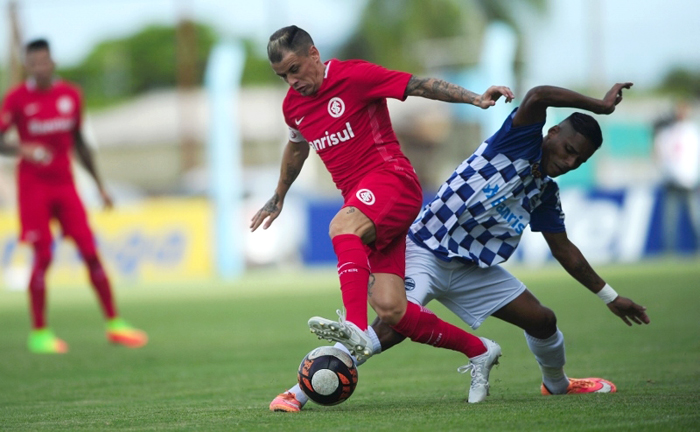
(639, 40)
(73, 27)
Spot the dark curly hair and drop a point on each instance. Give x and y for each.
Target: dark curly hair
(37, 44)
(588, 127)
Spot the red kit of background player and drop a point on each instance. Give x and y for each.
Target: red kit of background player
(47, 115)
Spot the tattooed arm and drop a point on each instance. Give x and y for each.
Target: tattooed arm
(437, 89)
(573, 261)
(295, 153)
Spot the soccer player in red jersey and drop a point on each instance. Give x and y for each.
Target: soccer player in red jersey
(47, 113)
(339, 109)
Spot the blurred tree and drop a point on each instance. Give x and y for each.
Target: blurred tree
(121, 68)
(507, 11)
(681, 82)
(389, 27)
(391, 32)
(257, 69)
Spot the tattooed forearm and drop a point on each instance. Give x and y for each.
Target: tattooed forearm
(295, 155)
(370, 285)
(291, 174)
(433, 88)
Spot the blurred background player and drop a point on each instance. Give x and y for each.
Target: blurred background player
(339, 109)
(475, 223)
(677, 154)
(47, 114)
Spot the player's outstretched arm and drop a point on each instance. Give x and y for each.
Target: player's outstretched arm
(573, 261)
(533, 108)
(86, 158)
(295, 153)
(437, 89)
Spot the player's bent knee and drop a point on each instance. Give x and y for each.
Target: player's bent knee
(545, 323)
(346, 222)
(42, 256)
(389, 311)
(391, 316)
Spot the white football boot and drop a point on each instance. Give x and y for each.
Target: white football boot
(480, 367)
(355, 340)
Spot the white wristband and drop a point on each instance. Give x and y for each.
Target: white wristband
(607, 294)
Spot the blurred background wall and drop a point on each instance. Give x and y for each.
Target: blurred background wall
(142, 64)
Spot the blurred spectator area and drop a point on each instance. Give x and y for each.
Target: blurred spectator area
(626, 156)
(139, 142)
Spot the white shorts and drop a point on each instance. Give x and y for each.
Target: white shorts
(471, 292)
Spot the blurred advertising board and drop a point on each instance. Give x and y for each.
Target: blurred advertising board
(608, 225)
(157, 241)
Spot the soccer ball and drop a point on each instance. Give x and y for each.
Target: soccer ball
(327, 375)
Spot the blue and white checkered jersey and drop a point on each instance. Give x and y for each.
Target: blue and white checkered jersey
(480, 212)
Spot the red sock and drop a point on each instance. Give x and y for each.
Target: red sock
(101, 285)
(421, 325)
(37, 284)
(353, 271)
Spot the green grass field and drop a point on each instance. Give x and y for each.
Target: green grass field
(220, 352)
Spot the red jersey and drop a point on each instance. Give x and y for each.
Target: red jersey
(347, 121)
(49, 117)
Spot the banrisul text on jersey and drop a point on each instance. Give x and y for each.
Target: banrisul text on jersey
(329, 140)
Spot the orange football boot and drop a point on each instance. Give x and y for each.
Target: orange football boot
(585, 385)
(285, 402)
(120, 332)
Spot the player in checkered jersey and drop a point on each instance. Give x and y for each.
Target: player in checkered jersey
(47, 113)
(339, 109)
(475, 221)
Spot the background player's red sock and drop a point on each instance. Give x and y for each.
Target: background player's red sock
(421, 325)
(37, 284)
(101, 284)
(353, 271)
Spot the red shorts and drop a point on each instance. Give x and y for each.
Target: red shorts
(392, 201)
(39, 202)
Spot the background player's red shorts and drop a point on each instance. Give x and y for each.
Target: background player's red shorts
(40, 201)
(392, 200)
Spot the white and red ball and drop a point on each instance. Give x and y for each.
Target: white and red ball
(327, 375)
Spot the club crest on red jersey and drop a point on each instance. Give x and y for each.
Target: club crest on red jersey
(336, 107)
(65, 105)
(366, 196)
(31, 109)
